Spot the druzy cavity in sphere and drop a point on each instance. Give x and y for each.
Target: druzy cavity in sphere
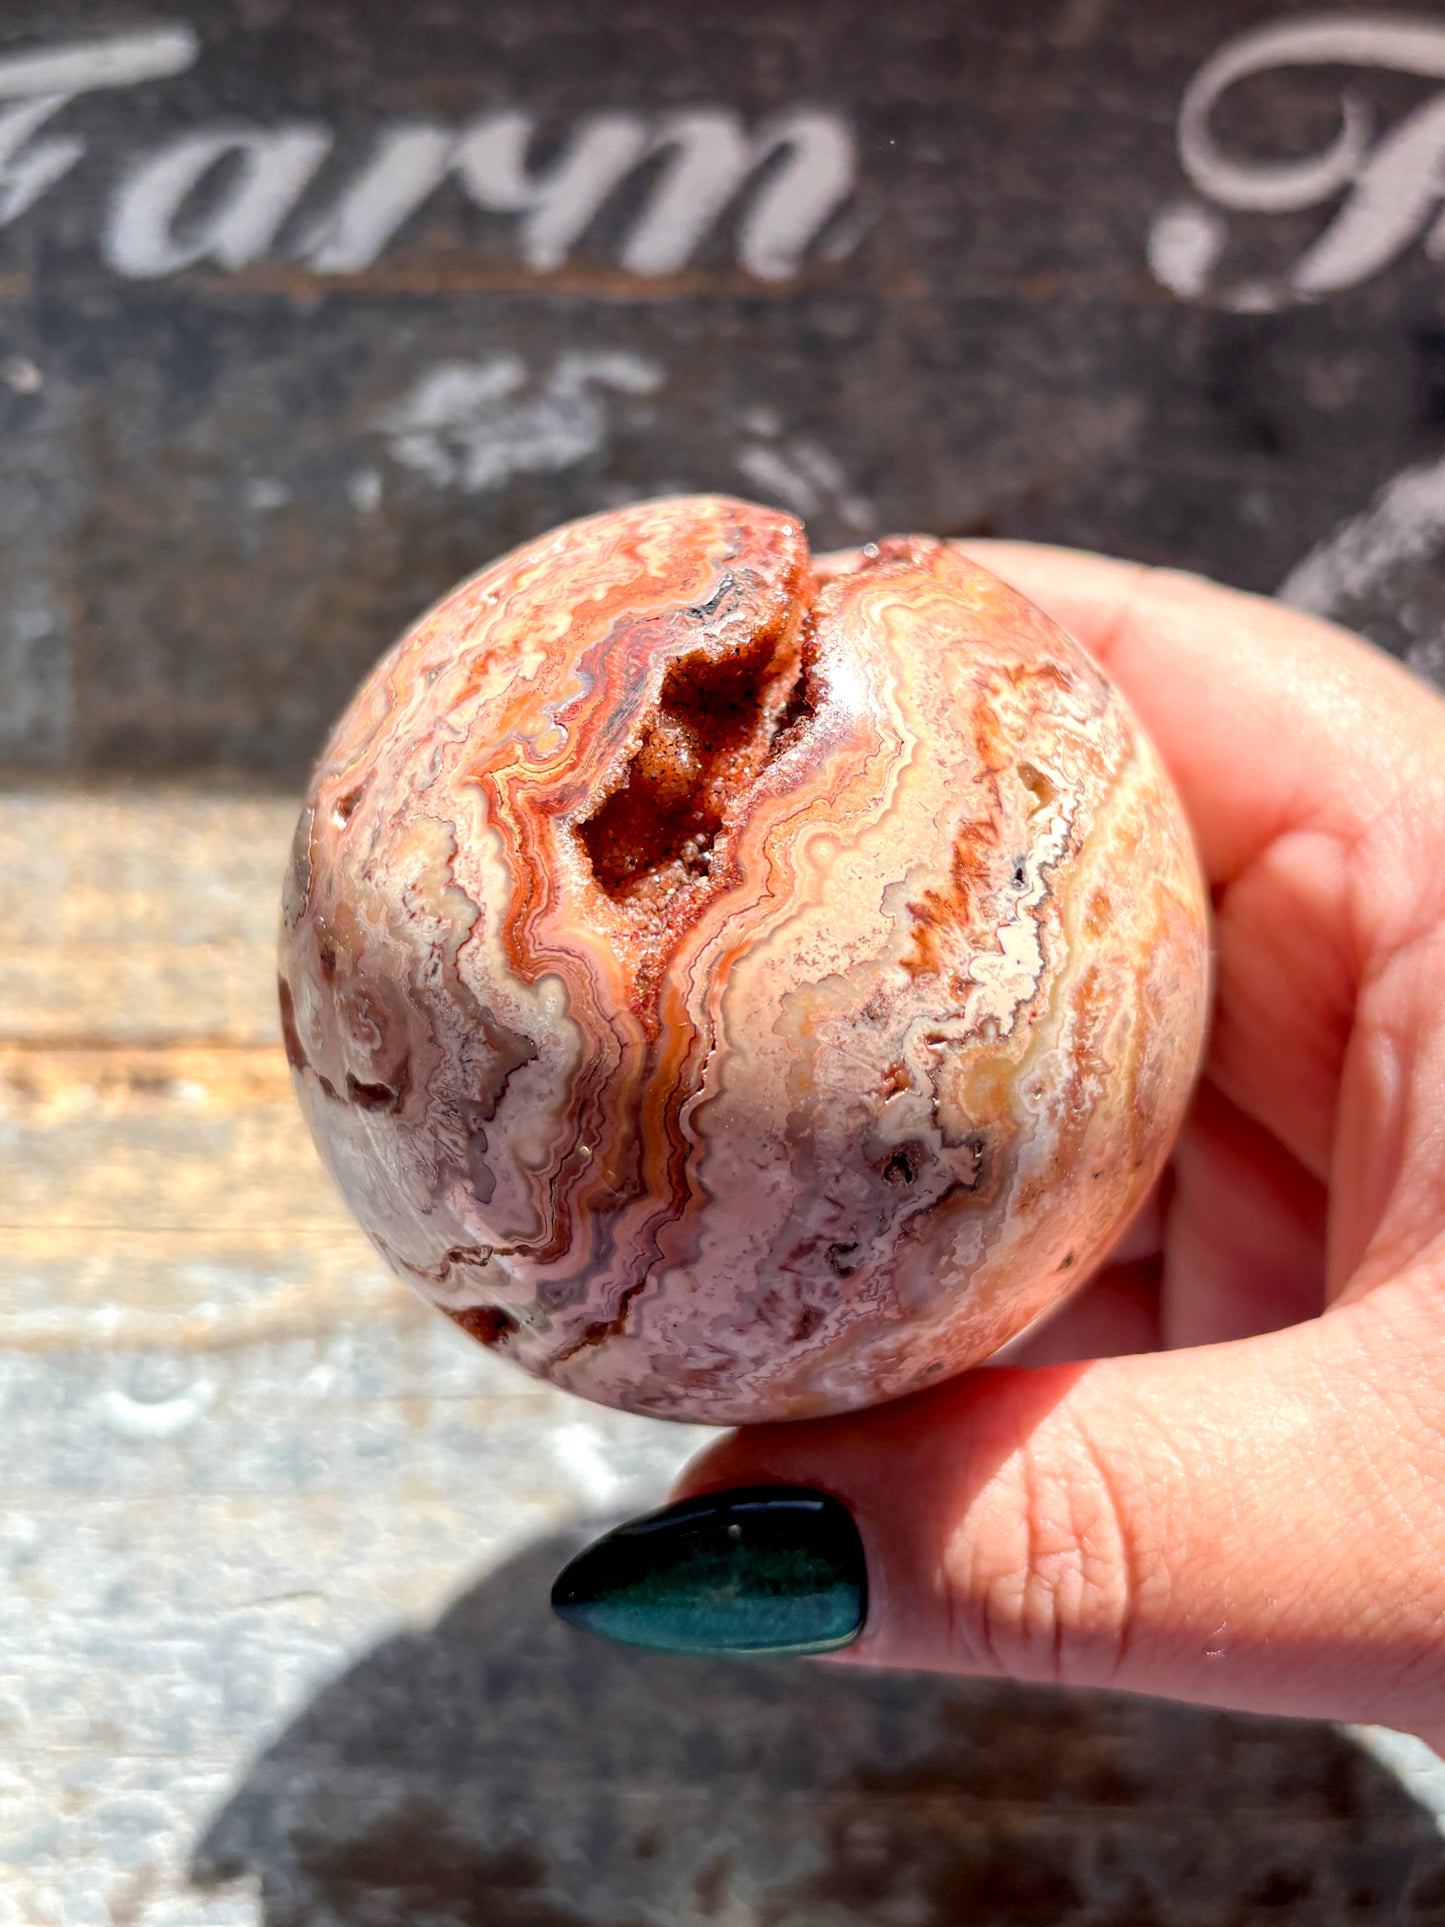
(737, 985)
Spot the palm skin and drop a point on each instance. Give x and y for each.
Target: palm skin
(1219, 1474)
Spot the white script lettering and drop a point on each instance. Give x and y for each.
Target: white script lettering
(474, 425)
(1392, 186)
(226, 192)
(144, 236)
(41, 84)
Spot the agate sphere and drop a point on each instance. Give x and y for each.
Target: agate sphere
(736, 985)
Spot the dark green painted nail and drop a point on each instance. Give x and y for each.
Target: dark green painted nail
(769, 1569)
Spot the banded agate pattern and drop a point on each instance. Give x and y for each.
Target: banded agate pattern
(734, 985)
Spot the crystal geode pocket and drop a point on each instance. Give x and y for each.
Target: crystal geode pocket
(736, 986)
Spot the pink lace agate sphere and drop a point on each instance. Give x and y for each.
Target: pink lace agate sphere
(735, 986)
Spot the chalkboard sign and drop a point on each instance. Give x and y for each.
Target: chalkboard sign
(309, 307)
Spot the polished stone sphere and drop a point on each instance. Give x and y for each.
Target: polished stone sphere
(737, 985)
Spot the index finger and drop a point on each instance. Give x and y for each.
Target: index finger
(1270, 720)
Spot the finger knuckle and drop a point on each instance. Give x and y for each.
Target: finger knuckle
(1042, 1571)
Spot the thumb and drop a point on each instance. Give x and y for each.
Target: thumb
(1253, 1525)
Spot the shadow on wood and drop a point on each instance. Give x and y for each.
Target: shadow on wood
(500, 1770)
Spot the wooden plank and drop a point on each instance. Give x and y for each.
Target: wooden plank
(986, 287)
(187, 1140)
(142, 918)
(275, 1542)
(236, 1447)
(155, 1191)
(142, 868)
(137, 994)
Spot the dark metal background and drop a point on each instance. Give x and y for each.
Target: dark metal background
(211, 518)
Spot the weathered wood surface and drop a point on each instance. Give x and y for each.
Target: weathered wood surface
(310, 309)
(274, 1648)
(235, 1453)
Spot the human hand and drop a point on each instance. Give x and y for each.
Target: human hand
(1219, 1474)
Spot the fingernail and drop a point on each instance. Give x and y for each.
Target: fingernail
(765, 1570)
